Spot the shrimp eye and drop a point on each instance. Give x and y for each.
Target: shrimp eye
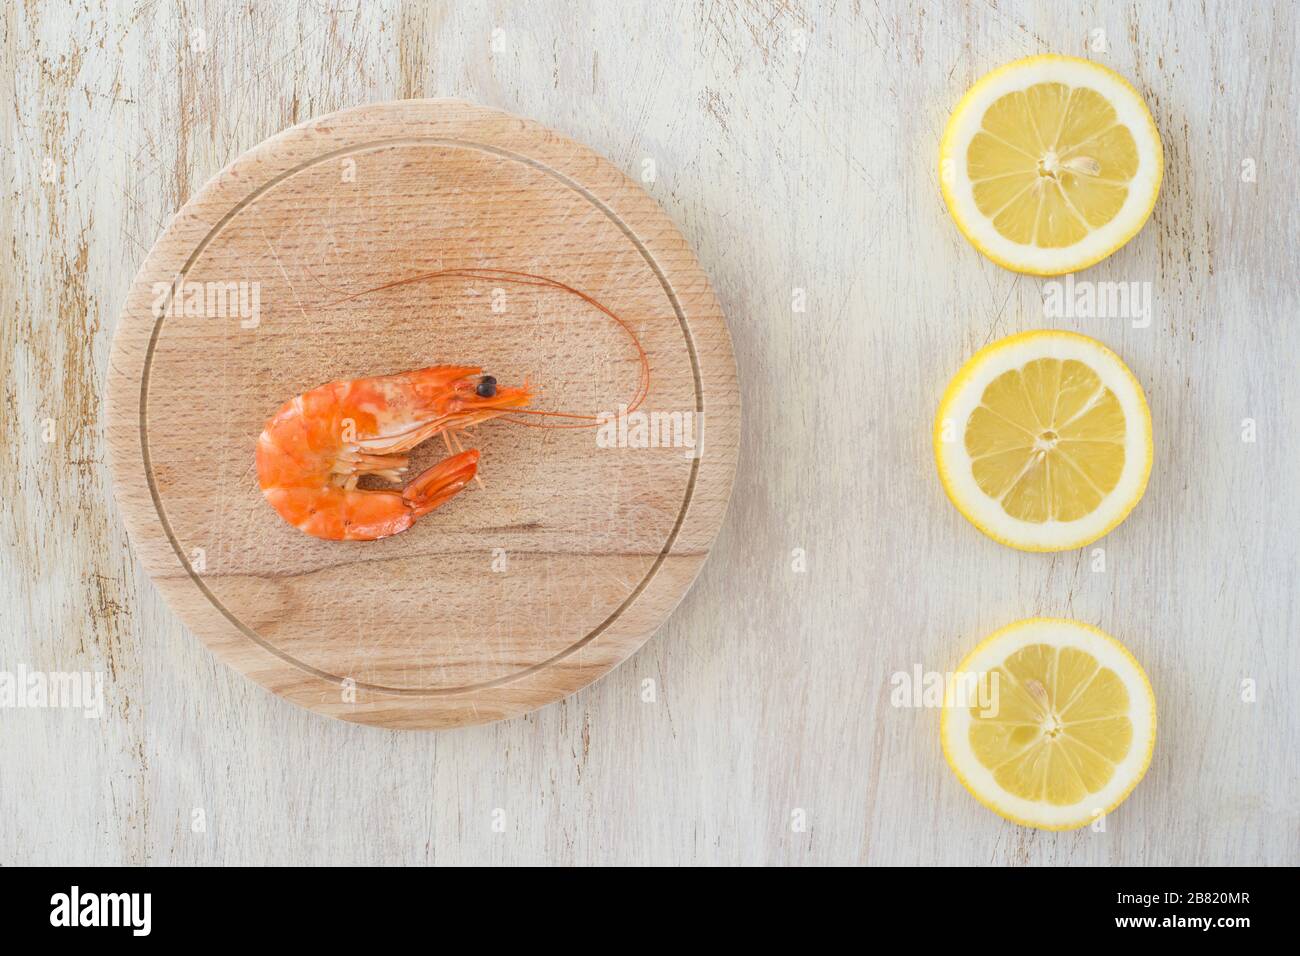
(486, 388)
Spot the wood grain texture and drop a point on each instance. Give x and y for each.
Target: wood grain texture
(272, 279)
(794, 145)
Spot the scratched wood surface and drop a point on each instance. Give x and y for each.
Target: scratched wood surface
(794, 146)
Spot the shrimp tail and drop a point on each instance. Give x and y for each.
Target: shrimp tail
(437, 485)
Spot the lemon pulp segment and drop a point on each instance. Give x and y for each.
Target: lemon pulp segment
(1061, 727)
(1047, 440)
(1051, 163)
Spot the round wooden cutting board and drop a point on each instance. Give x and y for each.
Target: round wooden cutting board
(580, 541)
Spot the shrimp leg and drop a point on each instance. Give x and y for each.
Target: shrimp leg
(441, 483)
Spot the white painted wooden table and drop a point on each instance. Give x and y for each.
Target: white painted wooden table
(795, 146)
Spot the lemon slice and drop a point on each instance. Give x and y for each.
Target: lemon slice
(1051, 163)
(1049, 723)
(1043, 440)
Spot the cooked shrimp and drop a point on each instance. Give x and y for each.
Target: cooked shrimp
(316, 447)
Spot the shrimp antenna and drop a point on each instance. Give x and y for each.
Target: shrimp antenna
(515, 277)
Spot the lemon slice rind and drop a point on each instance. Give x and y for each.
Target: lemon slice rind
(955, 724)
(966, 120)
(965, 392)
